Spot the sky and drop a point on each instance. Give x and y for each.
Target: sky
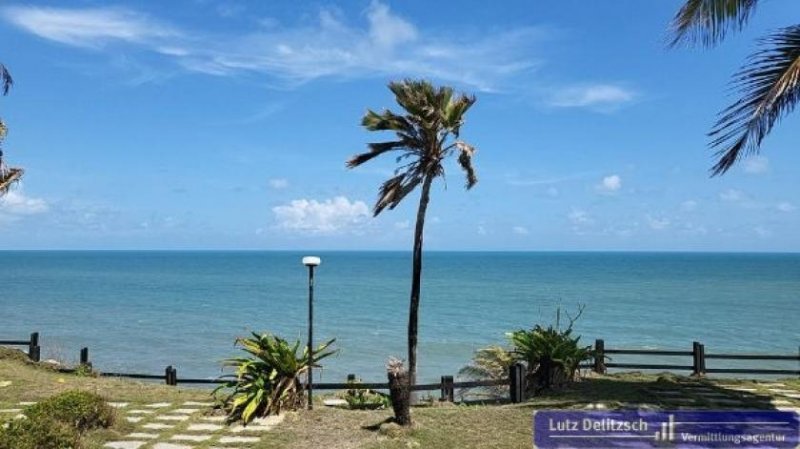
(225, 124)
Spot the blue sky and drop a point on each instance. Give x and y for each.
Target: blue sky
(226, 124)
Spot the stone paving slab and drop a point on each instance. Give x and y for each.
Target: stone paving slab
(270, 420)
(172, 417)
(10, 410)
(27, 403)
(142, 435)
(204, 427)
(125, 444)
(226, 440)
(118, 404)
(198, 404)
(133, 419)
(185, 411)
(158, 405)
(782, 391)
(196, 438)
(171, 446)
(157, 426)
(140, 412)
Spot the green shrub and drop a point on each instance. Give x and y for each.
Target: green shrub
(268, 380)
(552, 355)
(79, 409)
(41, 433)
(490, 363)
(360, 398)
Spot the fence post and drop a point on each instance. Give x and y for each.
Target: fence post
(84, 358)
(34, 351)
(599, 356)
(702, 358)
(168, 375)
(174, 376)
(447, 389)
(516, 380)
(696, 363)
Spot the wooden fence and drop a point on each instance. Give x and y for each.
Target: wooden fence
(604, 359)
(34, 351)
(698, 361)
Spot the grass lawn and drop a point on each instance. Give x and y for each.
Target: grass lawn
(435, 425)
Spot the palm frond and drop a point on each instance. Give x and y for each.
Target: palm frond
(8, 177)
(465, 161)
(5, 79)
(395, 189)
(770, 87)
(376, 149)
(386, 121)
(708, 21)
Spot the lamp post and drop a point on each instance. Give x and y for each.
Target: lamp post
(311, 262)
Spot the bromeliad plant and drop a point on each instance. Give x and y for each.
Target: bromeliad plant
(269, 379)
(552, 355)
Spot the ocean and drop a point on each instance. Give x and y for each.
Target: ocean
(139, 311)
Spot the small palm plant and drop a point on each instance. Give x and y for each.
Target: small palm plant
(553, 355)
(268, 380)
(489, 363)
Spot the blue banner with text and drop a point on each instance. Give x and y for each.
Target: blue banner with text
(688, 429)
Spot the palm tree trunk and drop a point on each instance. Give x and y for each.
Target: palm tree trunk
(416, 281)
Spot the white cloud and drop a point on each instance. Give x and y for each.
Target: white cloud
(657, 224)
(15, 203)
(601, 97)
(389, 30)
(552, 192)
(329, 47)
(520, 230)
(482, 230)
(579, 217)
(321, 217)
(94, 27)
(731, 195)
(756, 165)
(762, 232)
(278, 183)
(609, 184)
(785, 206)
(405, 224)
(688, 205)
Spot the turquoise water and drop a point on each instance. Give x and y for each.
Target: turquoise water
(142, 311)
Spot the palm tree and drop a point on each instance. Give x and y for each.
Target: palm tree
(427, 134)
(769, 82)
(8, 175)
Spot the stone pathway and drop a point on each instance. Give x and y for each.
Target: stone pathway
(166, 425)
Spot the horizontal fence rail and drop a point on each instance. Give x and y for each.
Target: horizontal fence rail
(34, 351)
(599, 363)
(698, 356)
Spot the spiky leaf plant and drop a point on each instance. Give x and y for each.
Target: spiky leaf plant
(268, 380)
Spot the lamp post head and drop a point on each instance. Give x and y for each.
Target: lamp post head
(311, 261)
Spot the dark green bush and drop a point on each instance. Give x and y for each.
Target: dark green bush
(42, 433)
(80, 410)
